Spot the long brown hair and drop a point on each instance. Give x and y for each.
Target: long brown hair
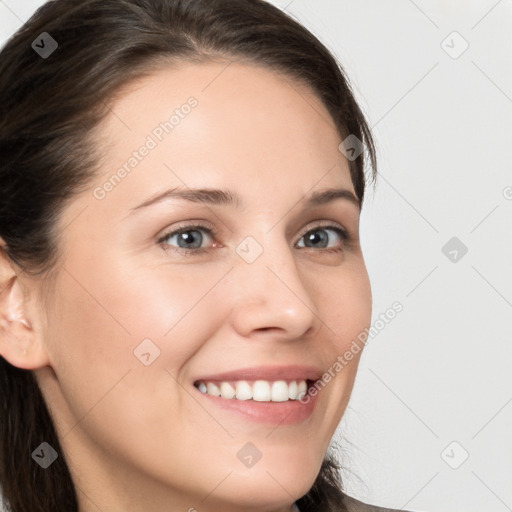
(50, 105)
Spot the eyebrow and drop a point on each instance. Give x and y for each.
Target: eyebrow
(213, 197)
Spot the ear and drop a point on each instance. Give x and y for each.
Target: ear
(20, 343)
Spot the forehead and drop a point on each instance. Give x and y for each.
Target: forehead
(215, 121)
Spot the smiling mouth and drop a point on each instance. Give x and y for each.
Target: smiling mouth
(256, 390)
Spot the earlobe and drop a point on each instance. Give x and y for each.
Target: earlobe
(20, 344)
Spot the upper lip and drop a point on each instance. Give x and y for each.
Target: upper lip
(272, 373)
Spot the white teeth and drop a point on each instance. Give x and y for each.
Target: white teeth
(279, 391)
(212, 389)
(243, 390)
(259, 391)
(302, 388)
(292, 390)
(227, 390)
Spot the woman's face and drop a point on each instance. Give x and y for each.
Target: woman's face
(140, 313)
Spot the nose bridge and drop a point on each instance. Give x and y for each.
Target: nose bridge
(272, 293)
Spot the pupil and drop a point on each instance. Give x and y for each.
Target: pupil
(189, 239)
(316, 235)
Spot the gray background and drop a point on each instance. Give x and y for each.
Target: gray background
(434, 385)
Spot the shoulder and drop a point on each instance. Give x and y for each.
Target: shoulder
(354, 505)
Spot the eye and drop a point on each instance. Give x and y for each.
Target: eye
(187, 238)
(318, 237)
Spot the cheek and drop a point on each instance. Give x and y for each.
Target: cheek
(104, 316)
(90, 347)
(94, 326)
(345, 303)
(157, 300)
(346, 308)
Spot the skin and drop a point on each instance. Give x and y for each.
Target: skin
(133, 436)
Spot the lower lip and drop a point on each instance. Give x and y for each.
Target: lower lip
(274, 413)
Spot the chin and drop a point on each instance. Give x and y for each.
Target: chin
(274, 483)
(272, 491)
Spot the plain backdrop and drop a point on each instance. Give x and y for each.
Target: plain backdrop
(428, 427)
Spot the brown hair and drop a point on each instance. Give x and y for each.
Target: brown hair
(49, 109)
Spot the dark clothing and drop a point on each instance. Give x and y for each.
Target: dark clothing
(354, 505)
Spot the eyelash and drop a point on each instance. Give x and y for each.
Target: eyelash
(213, 233)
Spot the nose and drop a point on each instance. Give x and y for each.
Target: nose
(272, 296)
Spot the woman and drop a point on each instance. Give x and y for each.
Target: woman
(181, 183)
